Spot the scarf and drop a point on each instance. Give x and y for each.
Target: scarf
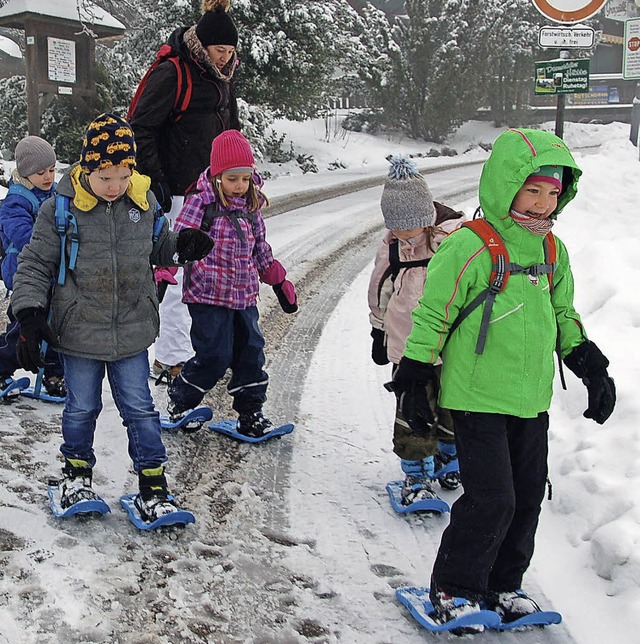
(200, 55)
(534, 225)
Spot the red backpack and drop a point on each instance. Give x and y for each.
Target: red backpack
(501, 269)
(184, 85)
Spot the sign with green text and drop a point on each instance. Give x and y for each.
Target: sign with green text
(562, 76)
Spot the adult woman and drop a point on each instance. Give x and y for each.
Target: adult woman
(174, 143)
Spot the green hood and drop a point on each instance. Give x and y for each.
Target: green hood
(516, 154)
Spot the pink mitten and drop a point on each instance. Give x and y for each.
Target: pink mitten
(166, 275)
(275, 274)
(285, 291)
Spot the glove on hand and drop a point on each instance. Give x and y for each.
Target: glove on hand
(164, 277)
(286, 294)
(602, 398)
(285, 291)
(590, 364)
(163, 194)
(410, 382)
(33, 330)
(193, 245)
(165, 274)
(378, 350)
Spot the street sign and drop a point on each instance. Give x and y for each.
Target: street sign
(562, 77)
(574, 37)
(568, 11)
(631, 51)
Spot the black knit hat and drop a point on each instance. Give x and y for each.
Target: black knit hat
(216, 27)
(108, 142)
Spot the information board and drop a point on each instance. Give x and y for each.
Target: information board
(562, 76)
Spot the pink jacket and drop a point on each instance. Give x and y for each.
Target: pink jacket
(392, 301)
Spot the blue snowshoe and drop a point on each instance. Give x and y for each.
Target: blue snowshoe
(415, 495)
(10, 389)
(139, 516)
(73, 494)
(257, 432)
(422, 610)
(190, 421)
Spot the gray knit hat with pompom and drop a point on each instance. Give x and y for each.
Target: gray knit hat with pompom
(406, 200)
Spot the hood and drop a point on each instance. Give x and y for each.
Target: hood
(75, 186)
(516, 154)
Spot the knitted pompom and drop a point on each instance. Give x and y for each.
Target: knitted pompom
(212, 5)
(402, 168)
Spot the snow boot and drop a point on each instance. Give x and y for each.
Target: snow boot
(446, 454)
(254, 424)
(55, 386)
(75, 485)
(177, 413)
(514, 605)
(447, 607)
(418, 483)
(417, 489)
(153, 500)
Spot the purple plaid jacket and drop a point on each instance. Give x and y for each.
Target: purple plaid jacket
(229, 275)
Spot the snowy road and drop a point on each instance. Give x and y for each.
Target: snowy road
(295, 540)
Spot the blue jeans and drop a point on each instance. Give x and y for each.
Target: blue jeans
(128, 379)
(223, 338)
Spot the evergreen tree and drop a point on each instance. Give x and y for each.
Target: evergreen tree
(507, 70)
(290, 50)
(13, 111)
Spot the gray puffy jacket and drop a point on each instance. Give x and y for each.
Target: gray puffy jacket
(107, 308)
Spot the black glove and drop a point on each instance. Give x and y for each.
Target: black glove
(192, 245)
(602, 398)
(33, 330)
(410, 382)
(378, 350)
(162, 192)
(590, 365)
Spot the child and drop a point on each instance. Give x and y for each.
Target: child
(416, 226)
(499, 396)
(31, 183)
(222, 290)
(105, 315)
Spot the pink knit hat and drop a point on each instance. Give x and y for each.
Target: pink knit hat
(230, 151)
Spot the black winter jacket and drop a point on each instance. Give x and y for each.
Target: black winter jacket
(178, 151)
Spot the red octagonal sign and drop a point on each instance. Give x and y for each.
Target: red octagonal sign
(568, 11)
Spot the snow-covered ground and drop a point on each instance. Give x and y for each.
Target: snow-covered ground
(348, 549)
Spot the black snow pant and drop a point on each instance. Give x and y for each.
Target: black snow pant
(489, 541)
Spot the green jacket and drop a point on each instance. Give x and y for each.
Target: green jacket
(514, 374)
(107, 308)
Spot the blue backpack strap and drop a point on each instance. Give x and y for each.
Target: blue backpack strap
(158, 223)
(23, 191)
(66, 220)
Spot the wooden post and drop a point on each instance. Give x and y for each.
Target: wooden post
(33, 99)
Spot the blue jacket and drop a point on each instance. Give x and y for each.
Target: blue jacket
(16, 225)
